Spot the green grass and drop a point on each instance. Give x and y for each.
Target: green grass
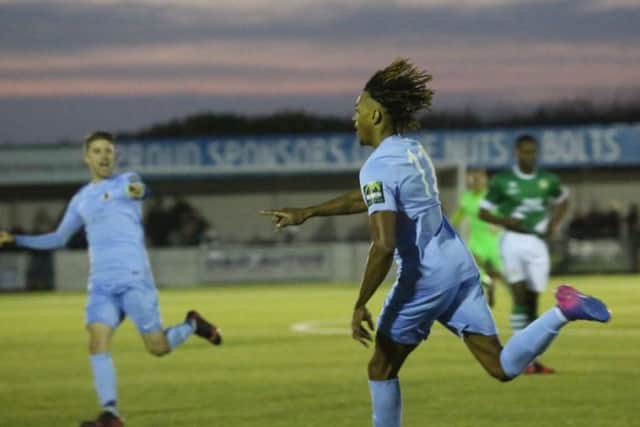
(266, 375)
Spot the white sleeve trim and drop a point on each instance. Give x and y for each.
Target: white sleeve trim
(485, 204)
(564, 195)
(381, 208)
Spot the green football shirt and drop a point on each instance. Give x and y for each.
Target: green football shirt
(480, 232)
(526, 197)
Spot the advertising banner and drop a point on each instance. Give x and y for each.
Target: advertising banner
(266, 264)
(560, 147)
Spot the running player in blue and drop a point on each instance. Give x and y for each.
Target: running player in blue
(120, 283)
(437, 278)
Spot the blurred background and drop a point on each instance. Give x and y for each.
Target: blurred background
(229, 107)
(226, 108)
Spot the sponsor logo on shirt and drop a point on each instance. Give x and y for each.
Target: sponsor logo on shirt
(373, 193)
(512, 188)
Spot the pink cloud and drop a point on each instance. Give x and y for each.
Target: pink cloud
(298, 67)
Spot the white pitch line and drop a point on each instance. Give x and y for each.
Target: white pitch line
(322, 327)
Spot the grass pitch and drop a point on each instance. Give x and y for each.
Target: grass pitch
(267, 374)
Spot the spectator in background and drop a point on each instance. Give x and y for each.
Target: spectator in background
(597, 224)
(631, 220)
(594, 221)
(633, 231)
(179, 210)
(612, 223)
(158, 223)
(40, 272)
(187, 226)
(191, 230)
(578, 226)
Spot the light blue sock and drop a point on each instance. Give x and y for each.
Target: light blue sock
(386, 402)
(178, 334)
(530, 342)
(104, 375)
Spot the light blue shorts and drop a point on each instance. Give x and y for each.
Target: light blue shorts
(138, 301)
(409, 311)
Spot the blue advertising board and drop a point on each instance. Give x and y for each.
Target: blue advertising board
(566, 147)
(560, 147)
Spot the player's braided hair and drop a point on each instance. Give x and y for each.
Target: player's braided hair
(402, 90)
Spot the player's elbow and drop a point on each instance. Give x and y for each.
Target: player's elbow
(384, 246)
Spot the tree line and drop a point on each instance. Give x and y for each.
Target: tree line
(573, 112)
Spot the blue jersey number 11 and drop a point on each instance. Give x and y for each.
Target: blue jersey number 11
(422, 162)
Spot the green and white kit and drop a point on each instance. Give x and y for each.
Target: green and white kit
(529, 198)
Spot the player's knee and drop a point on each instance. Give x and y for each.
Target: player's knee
(497, 373)
(158, 352)
(97, 346)
(379, 369)
(158, 349)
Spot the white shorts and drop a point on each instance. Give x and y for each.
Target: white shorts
(525, 257)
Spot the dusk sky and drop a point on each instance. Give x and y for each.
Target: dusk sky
(67, 67)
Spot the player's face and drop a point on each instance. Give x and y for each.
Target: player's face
(527, 155)
(363, 119)
(100, 157)
(477, 180)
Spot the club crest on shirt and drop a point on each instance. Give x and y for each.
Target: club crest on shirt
(373, 193)
(106, 196)
(543, 184)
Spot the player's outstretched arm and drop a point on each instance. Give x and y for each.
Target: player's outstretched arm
(6, 238)
(346, 204)
(71, 222)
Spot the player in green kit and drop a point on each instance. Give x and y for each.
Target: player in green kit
(483, 237)
(529, 203)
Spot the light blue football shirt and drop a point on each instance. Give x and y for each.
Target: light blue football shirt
(113, 224)
(399, 176)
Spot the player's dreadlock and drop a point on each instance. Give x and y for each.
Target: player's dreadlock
(402, 90)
